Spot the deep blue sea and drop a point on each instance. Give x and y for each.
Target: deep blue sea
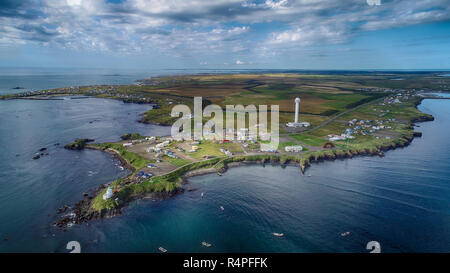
(402, 200)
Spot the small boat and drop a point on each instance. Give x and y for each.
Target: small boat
(278, 234)
(222, 208)
(121, 168)
(202, 194)
(345, 233)
(163, 250)
(205, 244)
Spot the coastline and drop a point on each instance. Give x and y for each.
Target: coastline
(83, 211)
(115, 154)
(59, 97)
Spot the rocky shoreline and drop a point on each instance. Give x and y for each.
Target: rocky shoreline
(82, 211)
(115, 154)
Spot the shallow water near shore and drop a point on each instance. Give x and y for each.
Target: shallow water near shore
(401, 201)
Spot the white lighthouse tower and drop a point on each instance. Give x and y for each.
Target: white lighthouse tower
(296, 122)
(297, 108)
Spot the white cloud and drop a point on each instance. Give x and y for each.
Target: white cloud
(182, 27)
(276, 4)
(308, 35)
(239, 62)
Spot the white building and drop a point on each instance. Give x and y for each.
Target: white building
(108, 194)
(336, 137)
(296, 123)
(293, 149)
(299, 124)
(162, 144)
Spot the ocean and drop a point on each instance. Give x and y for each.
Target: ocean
(39, 79)
(402, 200)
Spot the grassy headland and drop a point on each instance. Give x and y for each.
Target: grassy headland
(373, 112)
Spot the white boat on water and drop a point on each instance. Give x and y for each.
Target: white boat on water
(345, 233)
(163, 250)
(278, 234)
(205, 244)
(222, 208)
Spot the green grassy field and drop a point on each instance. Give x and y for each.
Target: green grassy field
(309, 140)
(133, 159)
(209, 148)
(176, 161)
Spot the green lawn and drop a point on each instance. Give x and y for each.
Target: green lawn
(133, 159)
(176, 161)
(211, 148)
(308, 139)
(284, 144)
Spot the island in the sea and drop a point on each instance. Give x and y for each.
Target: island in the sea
(343, 115)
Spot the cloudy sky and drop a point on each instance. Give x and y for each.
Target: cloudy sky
(302, 34)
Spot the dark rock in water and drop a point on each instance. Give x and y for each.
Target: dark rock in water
(63, 209)
(42, 149)
(85, 194)
(79, 144)
(191, 189)
(18, 87)
(417, 134)
(56, 144)
(36, 156)
(17, 155)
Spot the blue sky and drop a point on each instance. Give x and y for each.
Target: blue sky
(279, 34)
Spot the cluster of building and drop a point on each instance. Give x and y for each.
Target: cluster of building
(161, 149)
(344, 136)
(399, 97)
(158, 147)
(378, 89)
(144, 175)
(363, 127)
